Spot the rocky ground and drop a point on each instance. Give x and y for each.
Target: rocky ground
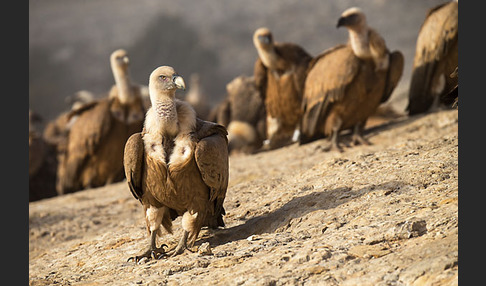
(384, 214)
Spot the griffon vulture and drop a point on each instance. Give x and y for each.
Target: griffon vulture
(94, 150)
(177, 166)
(346, 83)
(280, 72)
(242, 112)
(436, 57)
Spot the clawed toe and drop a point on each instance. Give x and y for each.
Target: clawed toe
(155, 254)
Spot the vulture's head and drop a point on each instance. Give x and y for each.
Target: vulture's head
(263, 39)
(352, 18)
(164, 81)
(119, 60)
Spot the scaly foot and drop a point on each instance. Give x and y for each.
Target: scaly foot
(151, 253)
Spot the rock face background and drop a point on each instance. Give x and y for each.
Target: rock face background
(385, 214)
(70, 41)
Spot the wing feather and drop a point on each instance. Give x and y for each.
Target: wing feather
(84, 138)
(211, 155)
(395, 70)
(329, 74)
(437, 39)
(133, 163)
(260, 75)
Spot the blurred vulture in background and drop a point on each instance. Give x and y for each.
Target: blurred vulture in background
(436, 58)
(94, 150)
(280, 72)
(46, 148)
(196, 97)
(177, 166)
(242, 112)
(452, 98)
(346, 83)
(56, 131)
(42, 163)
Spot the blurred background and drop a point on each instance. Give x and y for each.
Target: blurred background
(70, 41)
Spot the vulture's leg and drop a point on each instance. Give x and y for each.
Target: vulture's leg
(154, 217)
(153, 252)
(272, 127)
(182, 245)
(190, 225)
(358, 134)
(334, 139)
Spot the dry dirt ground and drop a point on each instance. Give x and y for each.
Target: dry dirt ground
(384, 214)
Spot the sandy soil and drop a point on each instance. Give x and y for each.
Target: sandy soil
(384, 214)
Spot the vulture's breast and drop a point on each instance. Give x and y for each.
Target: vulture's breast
(174, 178)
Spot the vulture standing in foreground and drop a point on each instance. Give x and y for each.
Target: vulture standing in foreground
(242, 112)
(280, 72)
(177, 166)
(94, 150)
(436, 58)
(346, 84)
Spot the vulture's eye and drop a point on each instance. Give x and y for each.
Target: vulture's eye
(163, 77)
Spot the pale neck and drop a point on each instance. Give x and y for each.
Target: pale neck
(123, 84)
(268, 57)
(165, 109)
(358, 37)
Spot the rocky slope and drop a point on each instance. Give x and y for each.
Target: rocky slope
(385, 214)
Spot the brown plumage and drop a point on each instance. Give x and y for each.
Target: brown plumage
(346, 84)
(280, 74)
(242, 112)
(436, 57)
(94, 150)
(178, 165)
(56, 131)
(42, 164)
(36, 144)
(452, 97)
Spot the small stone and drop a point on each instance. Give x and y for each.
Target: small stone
(318, 269)
(368, 251)
(253, 238)
(205, 249)
(407, 229)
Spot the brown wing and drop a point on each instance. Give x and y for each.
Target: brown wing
(84, 138)
(211, 156)
(297, 59)
(133, 163)
(285, 84)
(260, 75)
(57, 130)
(328, 77)
(377, 44)
(395, 70)
(435, 54)
(82, 108)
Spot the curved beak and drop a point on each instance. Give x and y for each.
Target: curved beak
(179, 82)
(341, 22)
